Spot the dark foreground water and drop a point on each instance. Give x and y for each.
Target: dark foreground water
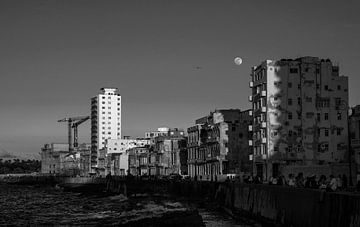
(39, 205)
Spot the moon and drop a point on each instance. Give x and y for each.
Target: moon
(238, 60)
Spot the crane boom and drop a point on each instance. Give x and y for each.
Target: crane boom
(73, 122)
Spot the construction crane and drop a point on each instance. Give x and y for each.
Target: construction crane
(73, 123)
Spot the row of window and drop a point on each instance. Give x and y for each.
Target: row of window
(111, 102)
(109, 113)
(103, 122)
(109, 97)
(109, 108)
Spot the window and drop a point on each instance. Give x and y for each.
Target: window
(326, 117)
(326, 87)
(240, 135)
(103, 112)
(299, 100)
(109, 112)
(109, 102)
(289, 85)
(326, 132)
(103, 107)
(109, 133)
(103, 97)
(118, 109)
(289, 102)
(276, 149)
(109, 127)
(293, 70)
(103, 132)
(317, 71)
(309, 114)
(103, 102)
(319, 132)
(118, 104)
(339, 87)
(318, 116)
(290, 116)
(317, 86)
(290, 133)
(299, 86)
(109, 107)
(338, 131)
(339, 115)
(109, 117)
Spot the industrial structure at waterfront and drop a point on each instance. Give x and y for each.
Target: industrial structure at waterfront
(298, 122)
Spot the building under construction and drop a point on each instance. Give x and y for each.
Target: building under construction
(70, 158)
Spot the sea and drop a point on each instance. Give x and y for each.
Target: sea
(23, 205)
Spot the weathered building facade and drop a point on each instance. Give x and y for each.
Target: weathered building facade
(299, 109)
(354, 124)
(217, 144)
(56, 159)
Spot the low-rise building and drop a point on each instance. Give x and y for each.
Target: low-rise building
(217, 144)
(113, 158)
(56, 159)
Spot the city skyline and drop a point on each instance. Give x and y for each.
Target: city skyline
(171, 61)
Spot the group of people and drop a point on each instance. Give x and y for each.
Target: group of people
(333, 183)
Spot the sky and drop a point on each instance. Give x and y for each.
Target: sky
(172, 61)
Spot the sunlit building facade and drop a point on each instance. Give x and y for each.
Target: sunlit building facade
(299, 109)
(105, 122)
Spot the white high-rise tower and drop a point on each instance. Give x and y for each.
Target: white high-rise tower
(105, 121)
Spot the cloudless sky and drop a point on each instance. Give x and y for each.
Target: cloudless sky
(171, 60)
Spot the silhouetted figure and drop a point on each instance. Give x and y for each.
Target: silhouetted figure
(300, 180)
(322, 182)
(332, 184)
(291, 182)
(108, 181)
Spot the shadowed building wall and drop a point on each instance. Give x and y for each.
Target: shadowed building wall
(300, 111)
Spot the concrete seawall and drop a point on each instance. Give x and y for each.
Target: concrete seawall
(279, 204)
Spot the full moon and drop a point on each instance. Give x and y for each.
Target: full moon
(238, 60)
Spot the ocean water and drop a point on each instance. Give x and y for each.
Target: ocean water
(45, 205)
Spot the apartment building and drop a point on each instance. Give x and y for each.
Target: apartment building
(299, 109)
(217, 144)
(105, 122)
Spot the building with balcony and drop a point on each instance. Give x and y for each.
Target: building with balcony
(354, 124)
(218, 144)
(105, 122)
(299, 109)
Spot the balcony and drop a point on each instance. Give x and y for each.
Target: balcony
(250, 98)
(263, 93)
(251, 84)
(250, 113)
(250, 128)
(263, 140)
(250, 142)
(263, 109)
(263, 124)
